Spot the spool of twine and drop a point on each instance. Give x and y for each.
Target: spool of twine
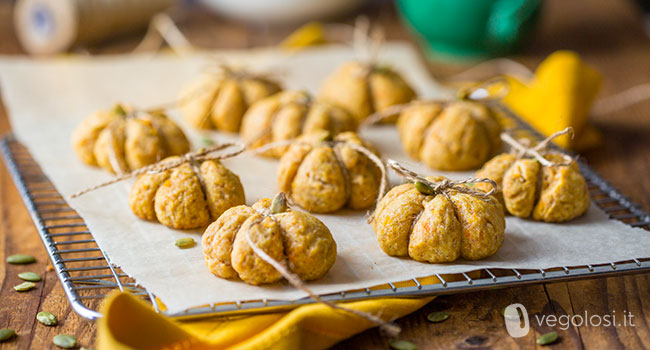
(52, 26)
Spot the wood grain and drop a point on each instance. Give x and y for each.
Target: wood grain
(607, 33)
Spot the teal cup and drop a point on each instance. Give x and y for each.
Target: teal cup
(470, 28)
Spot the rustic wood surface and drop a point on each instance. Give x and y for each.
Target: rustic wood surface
(607, 33)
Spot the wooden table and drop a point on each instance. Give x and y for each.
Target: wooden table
(607, 33)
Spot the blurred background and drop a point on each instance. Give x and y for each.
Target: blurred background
(608, 43)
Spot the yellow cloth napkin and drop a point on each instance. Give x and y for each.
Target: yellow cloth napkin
(559, 95)
(130, 323)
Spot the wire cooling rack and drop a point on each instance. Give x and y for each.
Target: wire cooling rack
(87, 275)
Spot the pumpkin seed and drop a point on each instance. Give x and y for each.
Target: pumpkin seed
(548, 338)
(436, 317)
(398, 344)
(25, 286)
(21, 259)
(185, 243)
(119, 110)
(326, 136)
(423, 188)
(85, 348)
(65, 341)
(29, 276)
(6, 334)
(206, 141)
(47, 318)
(279, 204)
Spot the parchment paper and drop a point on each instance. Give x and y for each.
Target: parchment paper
(46, 99)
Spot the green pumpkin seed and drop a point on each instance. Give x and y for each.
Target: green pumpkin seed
(185, 243)
(548, 338)
(6, 334)
(25, 286)
(436, 317)
(65, 341)
(423, 188)
(279, 204)
(118, 109)
(47, 318)
(206, 141)
(326, 136)
(398, 344)
(21, 259)
(85, 348)
(29, 276)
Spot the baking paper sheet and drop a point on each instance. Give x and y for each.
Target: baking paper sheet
(46, 99)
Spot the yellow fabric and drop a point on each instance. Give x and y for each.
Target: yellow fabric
(559, 95)
(130, 323)
(310, 34)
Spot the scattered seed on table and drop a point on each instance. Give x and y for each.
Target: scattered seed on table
(548, 338)
(185, 243)
(436, 317)
(25, 286)
(21, 259)
(47, 318)
(6, 334)
(398, 344)
(65, 341)
(29, 276)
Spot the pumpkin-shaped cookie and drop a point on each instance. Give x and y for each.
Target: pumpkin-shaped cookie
(554, 191)
(285, 235)
(289, 114)
(121, 139)
(187, 196)
(458, 135)
(322, 175)
(364, 89)
(433, 221)
(219, 100)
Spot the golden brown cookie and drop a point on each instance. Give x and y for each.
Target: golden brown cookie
(219, 101)
(180, 199)
(289, 114)
(412, 220)
(323, 176)
(294, 237)
(554, 193)
(458, 135)
(365, 89)
(121, 140)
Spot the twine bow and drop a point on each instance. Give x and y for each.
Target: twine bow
(190, 157)
(279, 205)
(524, 150)
(481, 92)
(445, 185)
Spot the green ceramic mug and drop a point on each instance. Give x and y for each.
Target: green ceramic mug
(471, 28)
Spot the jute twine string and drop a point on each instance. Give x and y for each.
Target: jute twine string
(383, 183)
(524, 150)
(445, 185)
(391, 329)
(197, 156)
(479, 92)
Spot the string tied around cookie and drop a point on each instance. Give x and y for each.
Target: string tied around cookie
(524, 150)
(429, 187)
(167, 164)
(489, 90)
(329, 141)
(279, 205)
